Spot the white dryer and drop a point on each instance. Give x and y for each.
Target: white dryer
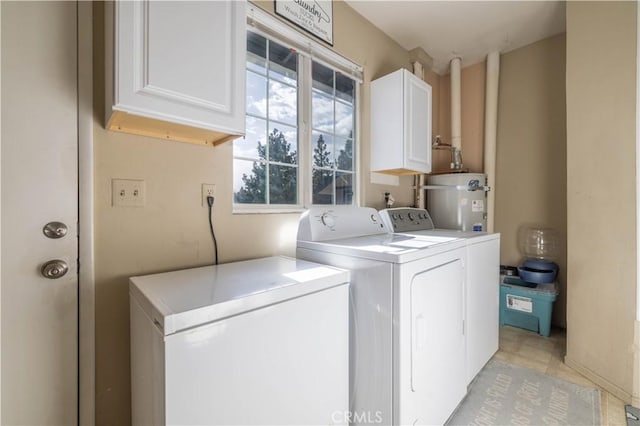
(483, 280)
(407, 346)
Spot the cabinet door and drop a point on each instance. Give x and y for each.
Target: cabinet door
(417, 124)
(182, 62)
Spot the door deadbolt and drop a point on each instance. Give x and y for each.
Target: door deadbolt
(54, 269)
(55, 230)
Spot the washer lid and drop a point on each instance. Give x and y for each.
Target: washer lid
(184, 299)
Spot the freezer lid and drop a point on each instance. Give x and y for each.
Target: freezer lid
(180, 300)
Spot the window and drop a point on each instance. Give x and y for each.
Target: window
(332, 126)
(301, 142)
(265, 162)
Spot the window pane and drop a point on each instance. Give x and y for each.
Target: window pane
(322, 149)
(283, 103)
(253, 144)
(283, 188)
(256, 94)
(322, 187)
(322, 78)
(256, 52)
(283, 144)
(344, 154)
(344, 188)
(344, 119)
(283, 63)
(322, 118)
(345, 88)
(249, 182)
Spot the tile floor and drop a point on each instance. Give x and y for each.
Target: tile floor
(546, 355)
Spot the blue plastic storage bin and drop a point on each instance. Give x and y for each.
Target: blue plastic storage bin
(528, 308)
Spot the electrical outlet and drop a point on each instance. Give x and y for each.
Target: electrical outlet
(208, 190)
(127, 193)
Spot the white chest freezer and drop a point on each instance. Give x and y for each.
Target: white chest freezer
(263, 341)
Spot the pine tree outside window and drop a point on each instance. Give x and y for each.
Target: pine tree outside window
(300, 145)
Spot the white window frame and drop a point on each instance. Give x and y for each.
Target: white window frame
(268, 26)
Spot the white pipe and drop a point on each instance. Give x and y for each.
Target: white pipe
(456, 122)
(490, 131)
(420, 201)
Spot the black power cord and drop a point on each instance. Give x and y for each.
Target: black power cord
(213, 234)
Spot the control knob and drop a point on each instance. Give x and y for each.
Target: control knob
(327, 219)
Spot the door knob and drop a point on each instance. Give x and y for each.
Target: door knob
(55, 230)
(54, 269)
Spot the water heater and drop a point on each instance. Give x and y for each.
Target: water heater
(458, 201)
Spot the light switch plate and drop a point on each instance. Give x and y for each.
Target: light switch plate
(128, 193)
(208, 189)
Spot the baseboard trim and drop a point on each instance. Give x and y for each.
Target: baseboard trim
(600, 381)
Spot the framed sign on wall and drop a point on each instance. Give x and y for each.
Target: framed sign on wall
(313, 16)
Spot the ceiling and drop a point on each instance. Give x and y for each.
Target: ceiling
(468, 29)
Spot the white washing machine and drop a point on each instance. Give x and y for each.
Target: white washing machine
(256, 342)
(407, 344)
(483, 280)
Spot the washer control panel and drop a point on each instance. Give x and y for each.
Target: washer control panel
(327, 223)
(407, 219)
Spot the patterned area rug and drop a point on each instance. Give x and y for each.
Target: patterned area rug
(505, 394)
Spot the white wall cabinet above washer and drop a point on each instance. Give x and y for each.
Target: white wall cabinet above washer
(400, 124)
(176, 70)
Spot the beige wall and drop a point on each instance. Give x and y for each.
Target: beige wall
(171, 231)
(472, 84)
(601, 107)
(531, 150)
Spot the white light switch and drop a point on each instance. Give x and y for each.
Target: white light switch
(127, 193)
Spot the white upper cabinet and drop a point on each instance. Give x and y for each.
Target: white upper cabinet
(400, 124)
(176, 69)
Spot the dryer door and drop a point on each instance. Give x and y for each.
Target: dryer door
(435, 380)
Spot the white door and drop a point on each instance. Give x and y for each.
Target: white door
(39, 185)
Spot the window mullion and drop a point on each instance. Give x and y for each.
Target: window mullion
(333, 150)
(356, 164)
(266, 140)
(305, 146)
